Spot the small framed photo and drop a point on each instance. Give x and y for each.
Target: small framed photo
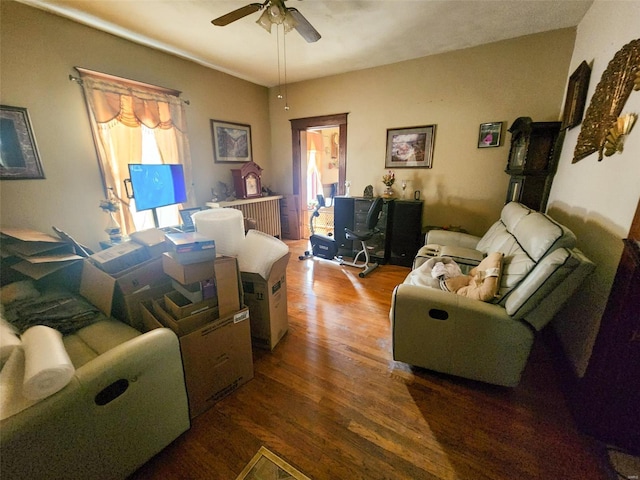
(19, 158)
(490, 135)
(231, 142)
(410, 147)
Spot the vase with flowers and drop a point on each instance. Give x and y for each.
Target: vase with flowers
(388, 179)
(111, 206)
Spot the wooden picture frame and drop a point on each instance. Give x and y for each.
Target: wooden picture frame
(410, 147)
(231, 142)
(576, 96)
(19, 158)
(490, 135)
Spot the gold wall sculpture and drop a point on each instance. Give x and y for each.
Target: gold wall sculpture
(608, 100)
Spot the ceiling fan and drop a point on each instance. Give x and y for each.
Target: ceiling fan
(274, 12)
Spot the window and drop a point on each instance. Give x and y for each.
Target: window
(135, 122)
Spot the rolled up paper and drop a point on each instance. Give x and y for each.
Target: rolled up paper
(224, 225)
(12, 400)
(47, 367)
(8, 340)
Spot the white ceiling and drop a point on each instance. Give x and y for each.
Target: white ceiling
(356, 34)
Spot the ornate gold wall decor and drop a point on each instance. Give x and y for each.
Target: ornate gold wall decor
(611, 94)
(615, 138)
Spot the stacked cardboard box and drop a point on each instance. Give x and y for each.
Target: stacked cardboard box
(263, 265)
(215, 335)
(266, 298)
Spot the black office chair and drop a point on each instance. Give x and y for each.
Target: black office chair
(362, 236)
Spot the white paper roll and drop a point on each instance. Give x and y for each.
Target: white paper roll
(8, 340)
(224, 225)
(47, 367)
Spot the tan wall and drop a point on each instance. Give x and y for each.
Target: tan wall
(38, 53)
(457, 91)
(597, 200)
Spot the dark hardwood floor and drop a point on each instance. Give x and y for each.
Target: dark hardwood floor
(331, 401)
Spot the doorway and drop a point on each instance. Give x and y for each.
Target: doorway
(319, 166)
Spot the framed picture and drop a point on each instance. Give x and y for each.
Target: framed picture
(231, 142)
(576, 96)
(490, 135)
(410, 147)
(19, 157)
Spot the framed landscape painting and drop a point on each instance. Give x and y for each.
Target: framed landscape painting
(19, 157)
(231, 142)
(410, 147)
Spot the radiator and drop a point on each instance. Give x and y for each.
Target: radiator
(265, 211)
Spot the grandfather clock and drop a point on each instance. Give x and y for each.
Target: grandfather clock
(533, 157)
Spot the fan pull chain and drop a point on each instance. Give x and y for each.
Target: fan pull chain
(286, 98)
(279, 75)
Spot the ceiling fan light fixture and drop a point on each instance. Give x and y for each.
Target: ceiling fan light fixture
(276, 15)
(289, 22)
(265, 21)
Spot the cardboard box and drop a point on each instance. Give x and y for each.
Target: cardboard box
(267, 302)
(225, 273)
(185, 325)
(120, 257)
(217, 357)
(41, 254)
(190, 273)
(120, 295)
(180, 306)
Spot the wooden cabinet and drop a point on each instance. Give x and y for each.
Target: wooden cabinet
(533, 157)
(609, 393)
(400, 226)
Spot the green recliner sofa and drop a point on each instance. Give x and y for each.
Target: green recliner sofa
(488, 341)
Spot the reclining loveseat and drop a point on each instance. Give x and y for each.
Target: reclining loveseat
(438, 329)
(125, 402)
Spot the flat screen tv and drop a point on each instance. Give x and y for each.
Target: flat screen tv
(157, 185)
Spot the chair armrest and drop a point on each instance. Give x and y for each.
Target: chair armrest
(447, 237)
(106, 433)
(453, 334)
(415, 303)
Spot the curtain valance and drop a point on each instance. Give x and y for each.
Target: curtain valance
(132, 106)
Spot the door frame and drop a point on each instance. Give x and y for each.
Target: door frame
(299, 125)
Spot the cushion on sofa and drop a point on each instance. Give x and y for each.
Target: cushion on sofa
(539, 235)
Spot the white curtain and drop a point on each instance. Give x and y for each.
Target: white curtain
(120, 111)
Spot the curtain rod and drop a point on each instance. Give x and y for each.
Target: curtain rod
(106, 76)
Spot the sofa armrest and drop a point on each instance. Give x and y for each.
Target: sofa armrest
(119, 410)
(453, 334)
(447, 237)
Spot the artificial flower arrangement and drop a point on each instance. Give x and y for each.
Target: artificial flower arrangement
(389, 178)
(111, 204)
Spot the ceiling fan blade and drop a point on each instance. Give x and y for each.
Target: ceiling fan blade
(303, 27)
(237, 14)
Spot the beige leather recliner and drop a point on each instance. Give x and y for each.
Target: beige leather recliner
(489, 341)
(126, 402)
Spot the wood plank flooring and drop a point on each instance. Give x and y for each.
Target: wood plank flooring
(331, 401)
